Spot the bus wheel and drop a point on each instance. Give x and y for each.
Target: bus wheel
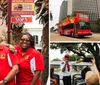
(60, 33)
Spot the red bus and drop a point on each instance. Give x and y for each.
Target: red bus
(75, 26)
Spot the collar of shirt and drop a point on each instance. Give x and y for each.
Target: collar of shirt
(1, 47)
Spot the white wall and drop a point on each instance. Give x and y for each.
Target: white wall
(38, 32)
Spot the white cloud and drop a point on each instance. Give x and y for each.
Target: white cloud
(55, 54)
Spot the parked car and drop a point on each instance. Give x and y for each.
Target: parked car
(56, 30)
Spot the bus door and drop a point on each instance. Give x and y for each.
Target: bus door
(75, 33)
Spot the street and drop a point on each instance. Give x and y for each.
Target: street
(58, 37)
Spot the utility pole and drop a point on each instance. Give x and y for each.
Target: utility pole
(9, 19)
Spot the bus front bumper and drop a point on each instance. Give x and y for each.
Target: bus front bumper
(84, 34)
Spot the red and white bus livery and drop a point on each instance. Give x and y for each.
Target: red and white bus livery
(75, 26)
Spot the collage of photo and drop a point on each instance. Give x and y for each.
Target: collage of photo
(49, 42)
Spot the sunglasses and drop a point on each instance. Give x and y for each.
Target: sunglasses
(25, 40)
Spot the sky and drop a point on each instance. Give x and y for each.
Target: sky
(55, 8)
(55, 54)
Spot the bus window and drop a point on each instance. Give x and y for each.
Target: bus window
(69, 26)
(83, 25)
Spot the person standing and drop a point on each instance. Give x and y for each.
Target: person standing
(31, 61)
(8, 66)
(66, 70)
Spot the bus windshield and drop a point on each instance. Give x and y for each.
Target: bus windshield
(83, 25)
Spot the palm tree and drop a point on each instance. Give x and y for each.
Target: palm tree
(3, 10)
(42, 12)
(16, 32)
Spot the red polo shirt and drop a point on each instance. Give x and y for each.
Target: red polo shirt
(7, 60)
(31, 61)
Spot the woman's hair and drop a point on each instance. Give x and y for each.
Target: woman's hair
(32, 43)
(84, 71)
(51, 72)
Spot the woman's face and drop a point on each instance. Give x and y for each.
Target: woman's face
(24, 42)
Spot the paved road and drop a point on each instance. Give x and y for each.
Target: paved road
(57, 37)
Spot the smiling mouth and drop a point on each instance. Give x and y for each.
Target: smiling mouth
(24, 45)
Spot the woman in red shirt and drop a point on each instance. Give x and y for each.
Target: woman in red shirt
(31, 62)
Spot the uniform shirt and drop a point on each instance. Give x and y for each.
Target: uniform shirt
(66, 72)
(7, 60)
(29, 62)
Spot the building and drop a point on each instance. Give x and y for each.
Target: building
(99, 7)
(89, 7)
(71, 7)
(37, 35)
(63, 10)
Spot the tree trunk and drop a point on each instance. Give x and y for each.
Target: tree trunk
(45, 53)
(95, 50)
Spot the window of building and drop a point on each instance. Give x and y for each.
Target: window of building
(35, 39)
